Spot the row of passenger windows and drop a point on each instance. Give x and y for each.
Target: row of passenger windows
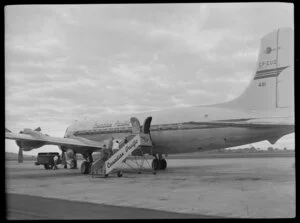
(152, 128)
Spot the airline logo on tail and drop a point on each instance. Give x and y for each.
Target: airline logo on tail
(269, 50)
(269, 73)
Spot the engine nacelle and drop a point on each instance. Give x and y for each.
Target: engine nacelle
(70, 154)
(27, 146)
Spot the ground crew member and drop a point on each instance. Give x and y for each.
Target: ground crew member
(55, 159)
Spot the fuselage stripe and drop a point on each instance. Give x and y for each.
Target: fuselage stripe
(269, 73)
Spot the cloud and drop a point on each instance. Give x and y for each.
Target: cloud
(93, 60)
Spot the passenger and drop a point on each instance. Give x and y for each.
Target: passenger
(110, 148)
(106, 152)
(55, 159)
(103, 154)
(116, 146)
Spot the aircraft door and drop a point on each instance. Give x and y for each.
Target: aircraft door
(136, 127)
(146, 126)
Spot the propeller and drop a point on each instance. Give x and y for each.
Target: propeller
(20, 153)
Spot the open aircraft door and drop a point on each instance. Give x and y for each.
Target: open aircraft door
(146, 126)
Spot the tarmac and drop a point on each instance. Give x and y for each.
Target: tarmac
(28, 207)
(188, 188)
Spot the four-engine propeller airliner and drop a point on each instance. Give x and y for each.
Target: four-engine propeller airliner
(264, 111)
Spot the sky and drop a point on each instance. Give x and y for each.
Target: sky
(70, 62)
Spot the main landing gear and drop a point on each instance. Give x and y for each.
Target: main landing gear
(159, 163)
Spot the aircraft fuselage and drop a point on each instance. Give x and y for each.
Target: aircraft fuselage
(186, 129)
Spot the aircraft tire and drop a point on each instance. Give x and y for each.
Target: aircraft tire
(155, 164)
(120, 173)
(163, 164)
(85, 167)
(73, 164)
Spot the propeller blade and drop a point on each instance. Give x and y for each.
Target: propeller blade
(20, 155)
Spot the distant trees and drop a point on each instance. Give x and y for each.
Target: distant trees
(252, 149)
(222, 150)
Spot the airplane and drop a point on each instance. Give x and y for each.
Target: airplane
(264, 111)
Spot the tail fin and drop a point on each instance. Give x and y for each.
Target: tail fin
(273, 83)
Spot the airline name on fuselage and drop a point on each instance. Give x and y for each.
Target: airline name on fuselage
(129, 147)
(112, 125)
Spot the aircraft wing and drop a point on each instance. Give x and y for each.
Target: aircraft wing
(32, 136)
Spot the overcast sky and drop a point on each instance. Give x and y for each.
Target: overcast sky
(67, 62)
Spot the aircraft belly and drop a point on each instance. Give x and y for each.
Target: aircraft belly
(192, 140)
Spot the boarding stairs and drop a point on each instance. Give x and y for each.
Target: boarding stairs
(127, 146)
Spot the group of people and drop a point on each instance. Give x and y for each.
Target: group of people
(108, 151)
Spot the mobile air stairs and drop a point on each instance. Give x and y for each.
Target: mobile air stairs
(132, 143)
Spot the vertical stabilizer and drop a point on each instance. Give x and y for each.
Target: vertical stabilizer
(272, 85)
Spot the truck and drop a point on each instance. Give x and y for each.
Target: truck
(47, 160)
